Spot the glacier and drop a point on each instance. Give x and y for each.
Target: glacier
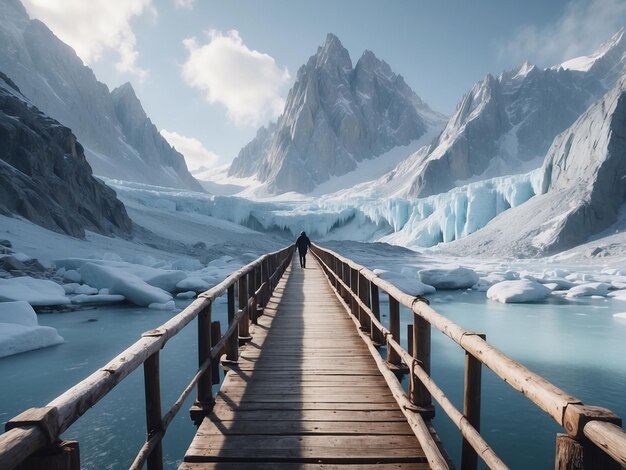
(408, 222)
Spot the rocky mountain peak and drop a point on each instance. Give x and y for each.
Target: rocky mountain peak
(127, 104)
(333, 53)
(335, 117)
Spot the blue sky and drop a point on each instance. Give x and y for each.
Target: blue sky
(209, 73)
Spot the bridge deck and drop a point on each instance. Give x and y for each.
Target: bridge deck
(306, 393)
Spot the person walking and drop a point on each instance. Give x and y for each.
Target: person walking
(303, 243)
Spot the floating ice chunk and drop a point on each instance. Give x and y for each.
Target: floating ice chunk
(121, 282)
(511, 275)
(98, 299)
(453, 277)
(589, 289)
(407, 285)
(562, 284)
(163, 279)
(84, 289)
(524, 290)
(186, 295)
(20, 331)
(72, 276)
(112, 257)
(193, 283)
(163, 306)
(19, 312)
(620, 315)
(37, 292)
(618, 294)
(71, 287)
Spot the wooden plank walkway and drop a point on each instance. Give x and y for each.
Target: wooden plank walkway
(306, 393)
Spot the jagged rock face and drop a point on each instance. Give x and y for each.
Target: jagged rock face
(335, 116)
(503, 125)
(52, 76)
(44, 176)
(591, 158)
(143, 135)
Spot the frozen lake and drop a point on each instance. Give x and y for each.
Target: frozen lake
(577, 345)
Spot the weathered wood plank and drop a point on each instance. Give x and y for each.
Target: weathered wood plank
(306, 390)
(239, 426)
(301, 466)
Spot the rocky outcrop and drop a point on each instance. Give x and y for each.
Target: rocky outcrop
(505, 125)
(589, 157)
(44, 176)
(54, 78)
(335, 117)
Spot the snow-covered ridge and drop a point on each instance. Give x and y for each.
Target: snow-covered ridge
(584, 63)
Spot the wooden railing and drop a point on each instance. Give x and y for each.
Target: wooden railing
(594, 437)
(38, 429)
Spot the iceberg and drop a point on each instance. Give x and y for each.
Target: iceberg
(20, 330)
(37, 292)
(118, 281)
(524, 290)
(454, 277)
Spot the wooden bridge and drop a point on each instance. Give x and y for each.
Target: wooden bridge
(307, 387)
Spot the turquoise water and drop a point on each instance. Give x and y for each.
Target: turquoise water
(580, 347)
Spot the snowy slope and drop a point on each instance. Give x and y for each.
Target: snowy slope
(336, 116)
(52, 76)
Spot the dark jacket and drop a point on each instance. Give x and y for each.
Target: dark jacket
(303, 243)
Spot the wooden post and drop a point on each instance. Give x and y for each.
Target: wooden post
(266, 279)
(364, 295)
(420, 396)
(64, 455)
(205, 385)
(216, 335)
(573, 454)
(232, 345)
(471, 407)
(394, 328)
(375, 335)
(409, 339)
(244, 323)
(574, 451)
(154, 424)
(354, 288)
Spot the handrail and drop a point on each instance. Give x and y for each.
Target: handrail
(358, 286)
(38, 428)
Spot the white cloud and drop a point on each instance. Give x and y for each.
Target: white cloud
(94, 26)
(247, 82)
(196, 155)
(579, 31)
(184, 3)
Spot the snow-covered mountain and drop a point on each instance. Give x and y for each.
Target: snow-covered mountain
(336, 116)
(505, 125)
(53, 77)
(44, 176)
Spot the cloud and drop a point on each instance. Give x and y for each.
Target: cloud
(184, 3)
(196, 155)
(94, 26)
(247, 82)
(579, 31)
